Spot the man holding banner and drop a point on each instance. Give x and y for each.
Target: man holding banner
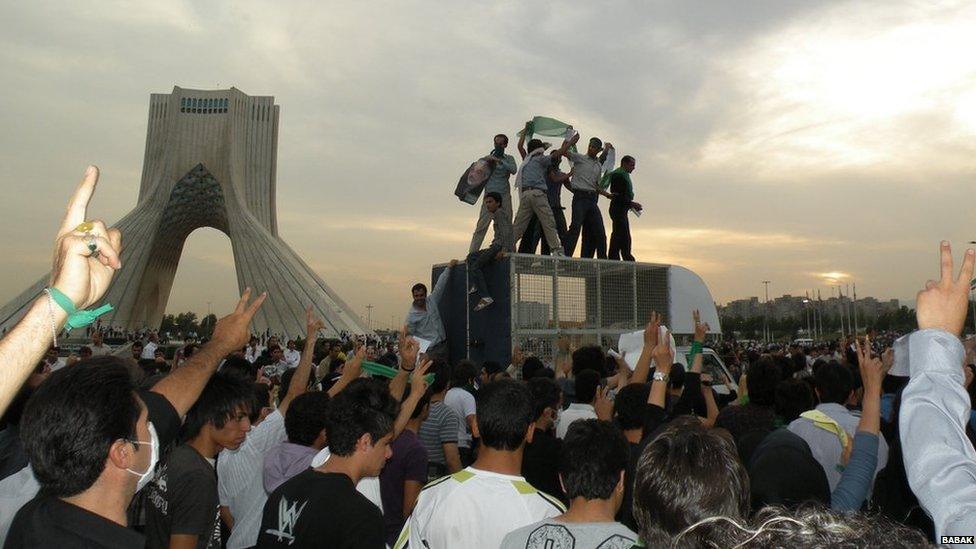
(503, 167)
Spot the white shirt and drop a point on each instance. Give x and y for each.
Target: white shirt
(571, 414)
(462, 402)
(367, 486)
(57, 364)
(15, 491)
(292, 357)
(101, 350)
(239, 479)
(474, 509)
(149, 351)
(252, 353)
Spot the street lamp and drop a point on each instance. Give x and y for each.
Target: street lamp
(766, 331)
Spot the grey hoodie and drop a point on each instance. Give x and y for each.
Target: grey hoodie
(285, 461)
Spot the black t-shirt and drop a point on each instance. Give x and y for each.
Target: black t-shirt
(182, 499)
(621, 191)
(316, 509)
(49, 522)
(540, 463)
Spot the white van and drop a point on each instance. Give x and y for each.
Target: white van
(711, 364)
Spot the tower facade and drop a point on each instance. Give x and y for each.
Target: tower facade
(210, 161)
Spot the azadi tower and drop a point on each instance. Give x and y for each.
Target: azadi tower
(211, 158)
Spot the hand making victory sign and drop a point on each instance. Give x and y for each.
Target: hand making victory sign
(86, 256)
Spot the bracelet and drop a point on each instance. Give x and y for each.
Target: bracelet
(76, 318)
(696, 349)
(50, 310)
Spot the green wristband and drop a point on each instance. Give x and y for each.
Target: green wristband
(76, 318)
(696, 348)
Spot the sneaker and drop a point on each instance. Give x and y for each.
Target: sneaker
(485, 301)
(472, 290)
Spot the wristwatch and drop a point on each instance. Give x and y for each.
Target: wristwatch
(661, 376)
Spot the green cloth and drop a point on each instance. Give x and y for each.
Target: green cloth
(383, 370)
(545, 126)
(605, 181)
(76, 318)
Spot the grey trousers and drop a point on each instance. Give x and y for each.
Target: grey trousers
(537, 201)
(484, 219)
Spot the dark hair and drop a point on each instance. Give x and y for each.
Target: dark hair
(222, 397)
(463, 373)
(418, 286)
(85, 352)
(305, 417)
(676, 379)
(798, 363)
(239, 365)
(627, 159)
(534, 144)
(834, 383)
(686, 474)
(262, 399)
(793, 397)
(491, 367)
(365, 406)
(503, 136)
(496, 196)
(531, 367)
(421, 404)
(761, 379)
(589, 357)
(72, 420)
(442, 376)
(586, 384)
(545, 394)
(505, 412)
(594, 454)
(630, 404)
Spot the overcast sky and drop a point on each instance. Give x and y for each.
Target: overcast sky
(775, 140)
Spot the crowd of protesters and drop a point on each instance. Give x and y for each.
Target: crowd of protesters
(864, 442)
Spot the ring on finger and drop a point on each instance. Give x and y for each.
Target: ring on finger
(92, 242)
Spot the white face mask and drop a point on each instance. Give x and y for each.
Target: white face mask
(153, 443)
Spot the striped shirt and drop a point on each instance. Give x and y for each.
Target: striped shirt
(441, 427)
(474, 509)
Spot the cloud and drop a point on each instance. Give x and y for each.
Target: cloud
(776, 140)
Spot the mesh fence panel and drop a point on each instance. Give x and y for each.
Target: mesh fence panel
(591, 302)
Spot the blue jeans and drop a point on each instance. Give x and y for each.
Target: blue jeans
(588, 219)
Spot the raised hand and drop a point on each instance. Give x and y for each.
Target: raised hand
(312, 323)
(652, 330)
(700, 329)
(663, 359)
(233, 331)
(603, 405)
(409, 348)
(79, 272)
(417, 382)
(872, 368)
(943, 304)
(888, 358)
